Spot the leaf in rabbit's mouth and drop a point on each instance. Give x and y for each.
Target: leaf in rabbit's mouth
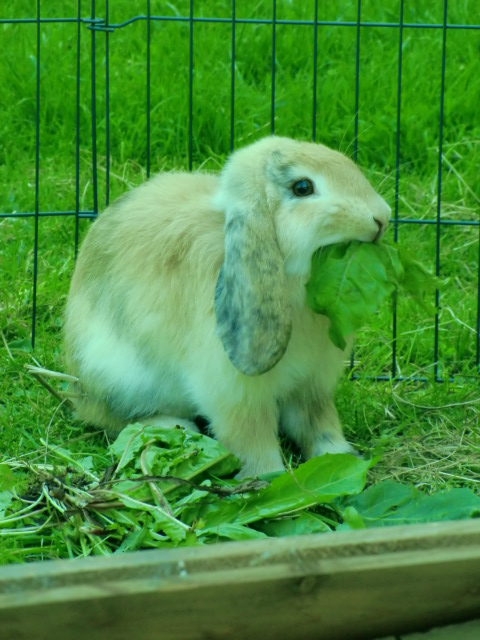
(350, 281)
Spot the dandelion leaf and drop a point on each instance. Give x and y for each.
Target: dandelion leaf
(390, 503)
(349, 282)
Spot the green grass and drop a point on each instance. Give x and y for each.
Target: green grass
(425, 433)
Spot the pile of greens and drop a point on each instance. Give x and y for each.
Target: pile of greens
(166, 488)
(350, 281)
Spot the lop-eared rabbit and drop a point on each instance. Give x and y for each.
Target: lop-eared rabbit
(188, 299)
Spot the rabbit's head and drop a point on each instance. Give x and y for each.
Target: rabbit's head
(283, 200)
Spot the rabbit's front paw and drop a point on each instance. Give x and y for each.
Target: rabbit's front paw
(255, 468)
(330, 443)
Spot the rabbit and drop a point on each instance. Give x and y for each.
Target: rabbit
(188, 299)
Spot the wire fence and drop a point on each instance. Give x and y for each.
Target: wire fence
(93, 24)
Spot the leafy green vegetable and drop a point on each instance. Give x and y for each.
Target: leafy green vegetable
(233, 531)
(177, 452)
(6, 498)
(349, 282)
(169, 488)
(390, 503)
(7, 477)
(21, 345)
(318, 481)
(296, 525)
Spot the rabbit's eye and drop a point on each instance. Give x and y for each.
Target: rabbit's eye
(303, 188)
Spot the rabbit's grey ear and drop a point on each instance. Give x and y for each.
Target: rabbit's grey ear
(253, 315)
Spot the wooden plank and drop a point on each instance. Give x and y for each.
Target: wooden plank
(362, 584)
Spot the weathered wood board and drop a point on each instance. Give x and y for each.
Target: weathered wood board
(362, 584)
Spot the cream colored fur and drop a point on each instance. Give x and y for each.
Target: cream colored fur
(148, 320)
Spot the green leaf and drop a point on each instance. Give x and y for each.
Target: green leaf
(21, 344)
(418, 282)
(177, 452)
(66, 455)
(188, 508)
(349, 282)
(233, 531)
(133, 540)
(86, 463)
(352, 519)
(299, 524)
(391, 503)
(381, 500)
(320, 480)
(133, 438)
(453, 504)
(173, 528)
(7, 478)
(6, 499)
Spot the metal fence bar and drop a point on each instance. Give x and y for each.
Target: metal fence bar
(439, 188)
(274, 54)
(190, 91)
(37, 178)
(232, 81)
(315, 71)
(357, 81)
(86, 213)
(99, 25)
(107, 107)
(77, 132)
(148, 98)
(94, 115)
(397, 179)
(356, 111)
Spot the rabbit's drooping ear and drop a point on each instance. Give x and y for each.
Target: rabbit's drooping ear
(253, 315)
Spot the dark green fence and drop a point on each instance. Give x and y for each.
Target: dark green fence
(391, 83)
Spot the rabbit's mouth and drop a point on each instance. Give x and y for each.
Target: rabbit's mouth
(381, 229)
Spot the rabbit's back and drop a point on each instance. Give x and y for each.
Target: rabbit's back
(138, 290)
(164, 224)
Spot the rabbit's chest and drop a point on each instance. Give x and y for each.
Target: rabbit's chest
(311, 359)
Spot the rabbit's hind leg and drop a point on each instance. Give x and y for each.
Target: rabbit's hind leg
(97, 412)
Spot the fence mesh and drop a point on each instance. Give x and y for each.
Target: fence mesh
(105, 93)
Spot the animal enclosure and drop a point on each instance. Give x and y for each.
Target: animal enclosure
(100, 95)
(96, 97)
